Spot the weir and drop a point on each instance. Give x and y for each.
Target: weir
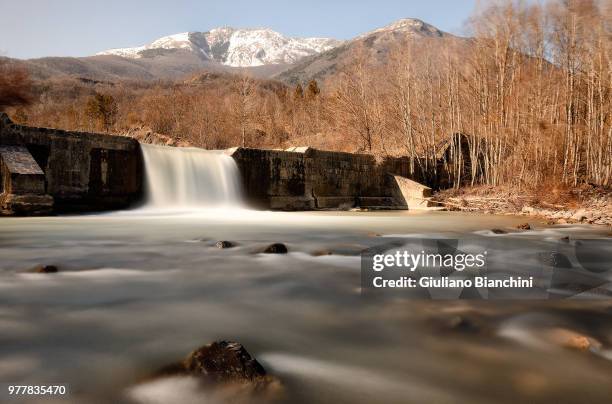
(178, 178)
(46, 170)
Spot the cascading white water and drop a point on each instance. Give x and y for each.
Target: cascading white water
(186, 178)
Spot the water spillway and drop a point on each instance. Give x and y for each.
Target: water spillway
(188, 178)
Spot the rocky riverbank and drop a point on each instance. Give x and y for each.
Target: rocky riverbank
(590, 205)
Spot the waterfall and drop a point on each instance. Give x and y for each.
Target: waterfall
(178, 178)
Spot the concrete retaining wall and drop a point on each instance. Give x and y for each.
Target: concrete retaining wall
(273, 179)
(82, 171)
(307, 178)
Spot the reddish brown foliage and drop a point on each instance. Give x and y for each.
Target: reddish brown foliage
(15, 86)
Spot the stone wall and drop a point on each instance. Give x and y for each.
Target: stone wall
(306, 178)
(82, 171)
(273, 179)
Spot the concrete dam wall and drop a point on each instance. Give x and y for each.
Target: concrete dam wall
(306, 178)
(52, 171)
(49, 170)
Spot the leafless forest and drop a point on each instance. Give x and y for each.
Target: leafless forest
(531, 89)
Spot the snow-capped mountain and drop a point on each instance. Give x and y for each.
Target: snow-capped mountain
(235, 47)
(263, 52)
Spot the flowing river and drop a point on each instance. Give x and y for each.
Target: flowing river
(140, 289)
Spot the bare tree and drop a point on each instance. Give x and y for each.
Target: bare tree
(246, 98)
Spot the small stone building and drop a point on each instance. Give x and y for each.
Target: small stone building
(22, 185)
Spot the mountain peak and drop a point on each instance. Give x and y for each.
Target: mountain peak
(235, 47)
(375, 46)
(411, 26)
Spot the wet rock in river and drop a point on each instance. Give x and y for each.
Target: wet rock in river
(224, 361)
(224, 244)
(573, 340)
(499, 231)
(321, 253)
(44, 269)
(276, 248)
(462, 324)
(222, 371)
(524, 226)
(578, 342)
(220, 362)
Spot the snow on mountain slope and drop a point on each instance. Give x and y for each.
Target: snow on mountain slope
(176, 41)
(236, 47)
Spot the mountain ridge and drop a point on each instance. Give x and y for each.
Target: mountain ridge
(244, 47)
(266, 55)
(376, 43)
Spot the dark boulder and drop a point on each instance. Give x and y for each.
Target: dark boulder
(224, 369)
(461, 324)
(524, 226)
(224, 244)
(224, 361)
(499, 231)
(44, 269)
(276, 248)
(219, 363)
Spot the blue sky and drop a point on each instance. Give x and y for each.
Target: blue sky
(37, 28)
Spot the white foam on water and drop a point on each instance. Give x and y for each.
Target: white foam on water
(356, 379)
(184, 390)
